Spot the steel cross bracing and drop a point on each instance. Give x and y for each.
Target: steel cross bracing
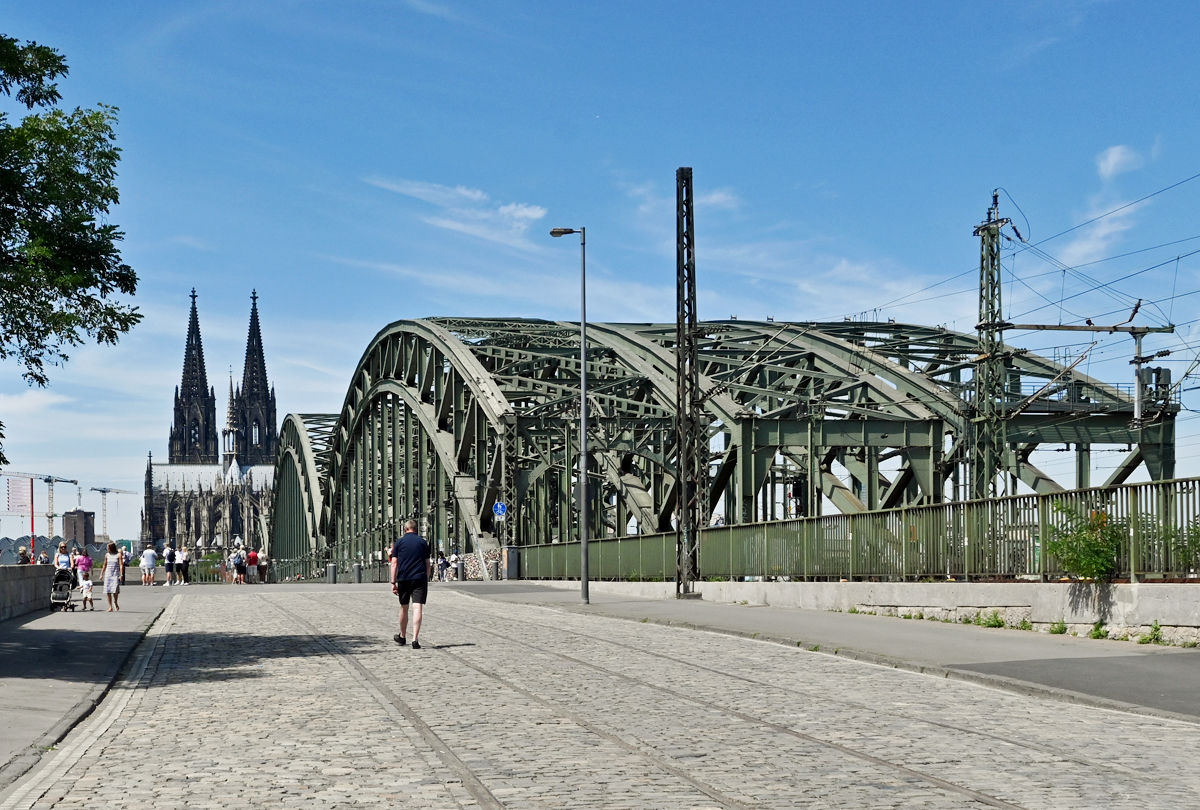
(444, 417)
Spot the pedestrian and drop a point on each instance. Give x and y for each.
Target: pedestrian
(454, 564)
(442, 566)
(62, 560)
(149, 563)
(262, 567)
(23, 556)
(85, 588)
(182, 560)
(43, 558)
(410, 580)
(83, 570)
(75, 567)
(169, 563)
(114, 564)
(252, 563)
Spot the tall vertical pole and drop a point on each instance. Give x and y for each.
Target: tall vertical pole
(32, 535)
(1137, 379)
(583, 446)
(989, 444)
(690, 483)
(50, 509)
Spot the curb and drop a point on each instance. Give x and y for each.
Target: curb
(1005, 683)
(22, 763)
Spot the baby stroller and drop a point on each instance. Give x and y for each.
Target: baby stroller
(60, 591)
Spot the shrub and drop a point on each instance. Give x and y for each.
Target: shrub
(1058, 628)
(991, 620)
(1098, 631)
(1087, 545)
(1025, 624)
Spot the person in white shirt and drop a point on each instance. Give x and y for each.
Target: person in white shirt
(149, 562)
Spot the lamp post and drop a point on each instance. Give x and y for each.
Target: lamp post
(583, 480)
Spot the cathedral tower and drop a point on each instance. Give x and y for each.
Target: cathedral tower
(194, 433)
(255, 432)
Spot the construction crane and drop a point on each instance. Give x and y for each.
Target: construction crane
(50, 481)
(104, 503)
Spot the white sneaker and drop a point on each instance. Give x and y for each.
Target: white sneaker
(166, 584)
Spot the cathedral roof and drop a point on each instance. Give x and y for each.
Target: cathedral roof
(191, 477)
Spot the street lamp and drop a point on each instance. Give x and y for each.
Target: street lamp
(583, 481)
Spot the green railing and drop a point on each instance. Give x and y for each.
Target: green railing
(998, 538)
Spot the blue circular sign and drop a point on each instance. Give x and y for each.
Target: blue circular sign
(499, 509)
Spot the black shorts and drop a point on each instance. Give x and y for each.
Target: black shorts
(416, 590)
(241, 570)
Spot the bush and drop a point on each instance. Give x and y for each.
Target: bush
(1058, 628)
(991, 620)
(1153, 637)
(1087, 546)
(1098, 631)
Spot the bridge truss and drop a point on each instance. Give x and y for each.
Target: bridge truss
(445, 417)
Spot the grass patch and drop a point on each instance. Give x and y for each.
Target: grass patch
(990, 620)
(1098, 631)
(1025, 624)
(1058, 628)
(852, 609)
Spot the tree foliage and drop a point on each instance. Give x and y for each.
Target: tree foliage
(60, 268)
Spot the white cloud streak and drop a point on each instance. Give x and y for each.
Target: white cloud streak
(1117, 160)
(467, 210)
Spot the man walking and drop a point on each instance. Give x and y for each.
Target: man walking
(410, 580)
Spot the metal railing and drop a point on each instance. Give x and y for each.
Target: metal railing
(1000, 538)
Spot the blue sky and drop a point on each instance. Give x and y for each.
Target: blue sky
(360, 162)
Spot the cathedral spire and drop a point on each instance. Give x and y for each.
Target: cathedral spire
(254, 375)
(254, 402)
(230, 420)
(194, 432)
(195, 378)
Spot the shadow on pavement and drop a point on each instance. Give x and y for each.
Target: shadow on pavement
(208, 656)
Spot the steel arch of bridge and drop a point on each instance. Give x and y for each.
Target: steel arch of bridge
(446, 416)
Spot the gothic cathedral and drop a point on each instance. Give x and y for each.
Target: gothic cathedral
(215, 492)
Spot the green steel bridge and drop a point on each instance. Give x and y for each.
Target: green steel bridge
(446, 417)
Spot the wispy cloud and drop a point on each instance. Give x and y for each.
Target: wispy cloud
(192, 242)
(718, 198)
(1022, 52)
(1117, 160)
(469, 211)
(1096, 240)
(430, 192)
(432, 9)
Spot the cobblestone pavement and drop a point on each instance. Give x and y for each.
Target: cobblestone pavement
(299, 698)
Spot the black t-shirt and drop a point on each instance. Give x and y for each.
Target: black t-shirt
(411, 553)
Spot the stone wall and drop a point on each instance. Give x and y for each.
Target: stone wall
(1124, 610)
(24, 589)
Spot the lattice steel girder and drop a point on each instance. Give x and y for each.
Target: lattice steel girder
(444, 417)
(847, 433)
(1104, 428)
